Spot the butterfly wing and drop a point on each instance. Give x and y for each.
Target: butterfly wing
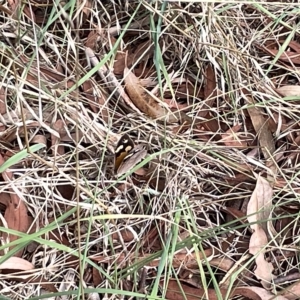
(124, 146)
(135, 156)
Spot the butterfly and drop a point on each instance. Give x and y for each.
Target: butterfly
(127, 155)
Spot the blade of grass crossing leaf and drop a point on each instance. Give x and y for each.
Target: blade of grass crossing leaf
(19, 156)
(193, 229)
(171, 243)
(281, 50)
(211, 272)
(158, 62)
(269, 14)
(175, 233)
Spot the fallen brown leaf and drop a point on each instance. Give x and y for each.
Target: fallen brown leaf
(292, 292)
(253, 292)
(140, 55)
(97, 279)
(260, 204)
(287, 55)
(2, 101)
(231, 139)
(16, 263)
(258, 212)
(210, 92)
(112, 82)
(144, 101)
(16, 4)
(126, 235)
(289, 90)
(182, 291)
(224, 264)
(262, 130)
(16, 215)
(17, 219)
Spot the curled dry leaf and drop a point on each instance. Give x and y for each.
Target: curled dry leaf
(258, 212)
(144, 101)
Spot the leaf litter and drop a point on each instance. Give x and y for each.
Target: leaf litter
(214, 212)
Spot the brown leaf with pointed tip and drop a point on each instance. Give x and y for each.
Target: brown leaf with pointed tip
(261, 127)
(258, 212)
(144, 101)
